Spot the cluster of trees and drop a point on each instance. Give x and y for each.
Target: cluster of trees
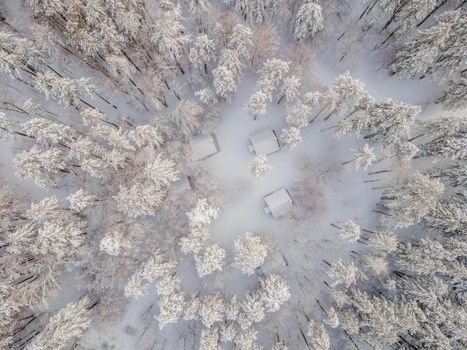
(402, 294)
(38, 245)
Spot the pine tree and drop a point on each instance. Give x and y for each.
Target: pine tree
(170, 309)
(254, 11)
(65, 90)
(270, 76)
(48, 133)
(411, 199)
(241, 40)
(350, 231)
(384, 242)
(290, 137)
(139, 200)
(212, 309)
(448, 138)
(47, 7)
(44, 167)
(455, 96)
(452, 57)
(67, 324)
(390, 121)
(364, 157)
(409, 14)
(209, 339)
(111, 243)
(18, 55)
(209, 260)
(319, 336)
(298, 115)
(343, 273)
(423, 49)
(290, 88)
(203, 213)
(275, 292)
(449, 217)
(308, 21)
(260, 166)
(250, 253)
(201, 52)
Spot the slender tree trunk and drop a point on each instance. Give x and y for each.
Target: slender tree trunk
(432, 12)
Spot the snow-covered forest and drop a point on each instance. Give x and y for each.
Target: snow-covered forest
(233, 174)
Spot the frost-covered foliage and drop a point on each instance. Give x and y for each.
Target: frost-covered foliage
(260, 166)
(67, 324)
(308, 21)
(411, 199)
(250, 253)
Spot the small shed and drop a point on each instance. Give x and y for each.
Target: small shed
(264, 142)
(181, 186)
(278, 203)
(204, 146)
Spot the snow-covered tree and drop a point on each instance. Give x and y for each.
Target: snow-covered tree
(350, 231)
(290, 88)
(364, 157)
(308, 21)
(275, 292)
(225, 81)
(290, 137)
(170, 308)
(43, 167)
(449, 217)
(155, 267)
(161, 171)
(203, 213)
(342, 272)
(298, 115)
(384, 242)
(390, 121)
(241, 40)
(18, 55)
(209, 260)
(411, 199)
(270, 76)
(188, 116)
(168, 33)
(455, 96)
(255, 11)
(66, 325)
(111, 243)
(452, 57)
(332, 319)
(250, 253)
(65, 90)
(47, 7)
(411, 13)
(202, 52)
(209, 339)
(253, 307)
(212, 309)
(193, 242)
(448, 138)
(260, 166)
(48, 133)
(318, 336)
(421, 50)
(139, 200)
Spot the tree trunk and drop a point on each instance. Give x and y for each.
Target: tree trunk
(432, 12)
